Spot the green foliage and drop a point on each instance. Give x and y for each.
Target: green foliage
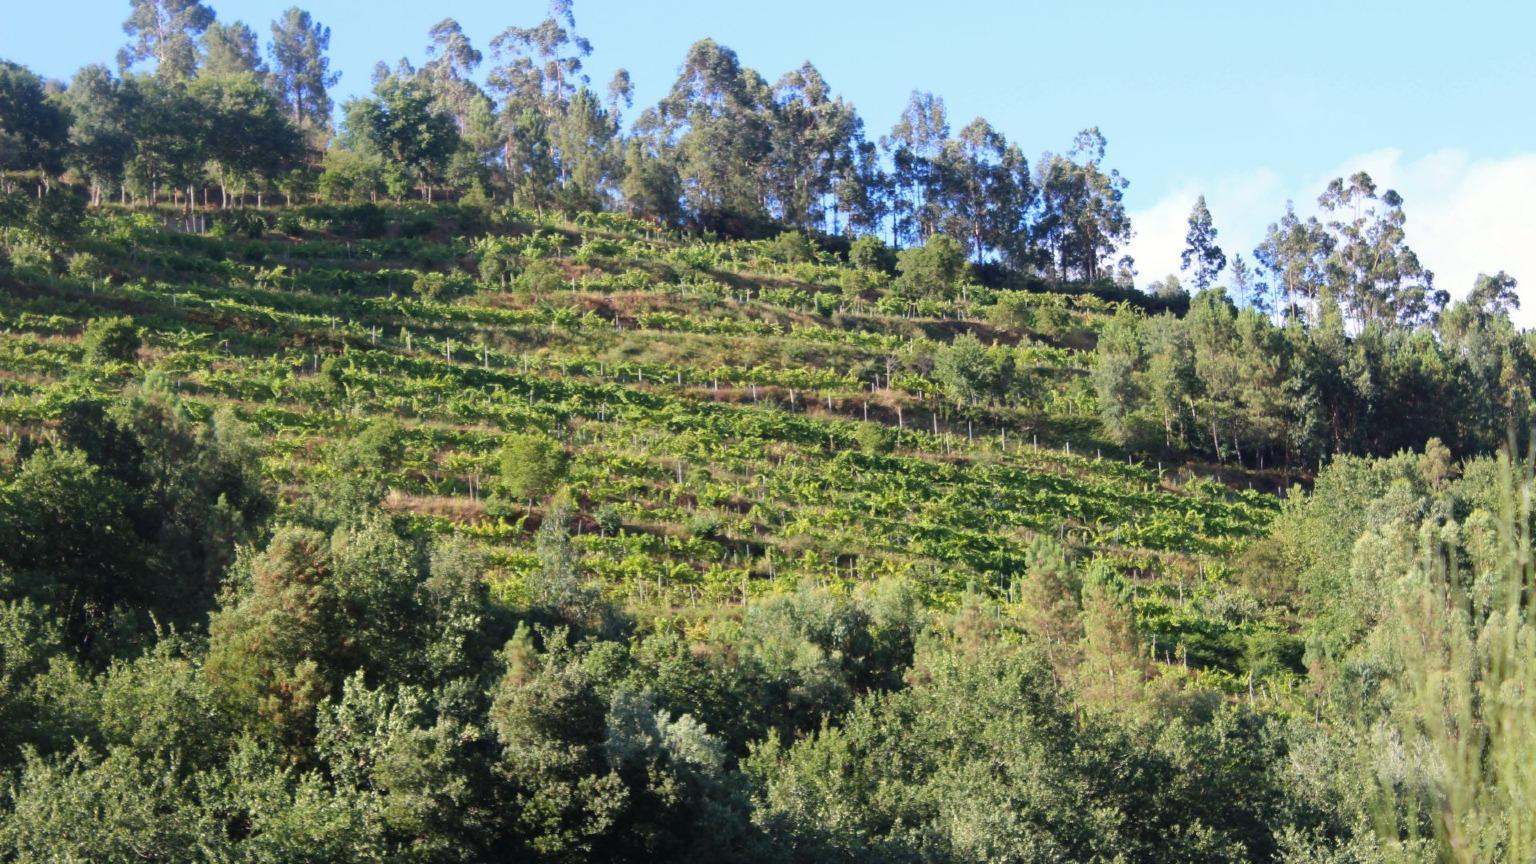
(869, 252)
(531, 464)
(792, 247)
(971, 372)
(110, 340)
(931, 270)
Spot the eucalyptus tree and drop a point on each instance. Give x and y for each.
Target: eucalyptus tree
(1082, 219)
(1494, 295)
(537, 73)
(863, 194)
(1294, 253)
(1371, 269)
(452, 61)
(914, 145)
(166, 32)
(718, 120)
(814, 136)
(540, 66)
(652, 187)
(987, 192)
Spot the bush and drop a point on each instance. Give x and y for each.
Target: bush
(531, 464)
(705, 524)
(417, 226)
(875, 438)
(870, 253)
(110, 340)
(609, 519)
(84, 265)
(437, 287)
(541, 277)
(931, 270)
(25, 251)
(792, 247)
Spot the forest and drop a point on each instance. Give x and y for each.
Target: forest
(485, 470)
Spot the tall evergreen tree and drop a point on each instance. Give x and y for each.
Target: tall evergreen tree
(301, 72)
(914, 145)
(229, 49)
(166, 32)
(1201, 254)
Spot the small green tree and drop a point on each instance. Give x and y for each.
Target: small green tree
(540, 278)
(875, 438)
(531, 464)
(792, 247)
(969, 372)
(110, 340)
(931, 270)
(870, 253)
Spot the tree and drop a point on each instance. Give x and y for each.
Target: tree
(1051, 608)
(718, 120)
(651, 186)
(166, 128)
(1244, 290)
(813, 140)
(100, 137)
(531, 464)
(231, 49)
(585, 138)
(401, 123)
(301, 73)
(1494, 295)
(868, 252)
(110, 340)
(33, 130)
(1117, 360)
(1201, 254)
(249, 138)
(969, 372)
(452, 59)
(1372, 272)
(1293, 252)
(1082, 218)
(540, 67)
(165, 31)
(932, 269)
(984, 192)
(537, 71)
(915, 143)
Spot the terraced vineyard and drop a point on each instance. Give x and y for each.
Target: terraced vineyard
(736, 425)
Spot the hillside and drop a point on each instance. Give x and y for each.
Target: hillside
(473, 472)
(712, 398)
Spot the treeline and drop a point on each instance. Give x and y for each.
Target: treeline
(1232, 384)
(216, 120)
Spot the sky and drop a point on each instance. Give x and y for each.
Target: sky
(1250, 104)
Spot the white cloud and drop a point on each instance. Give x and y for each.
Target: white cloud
(1465, 216)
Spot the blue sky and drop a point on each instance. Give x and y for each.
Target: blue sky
(1249, 103)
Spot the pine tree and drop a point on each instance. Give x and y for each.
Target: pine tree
(1201, 254)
